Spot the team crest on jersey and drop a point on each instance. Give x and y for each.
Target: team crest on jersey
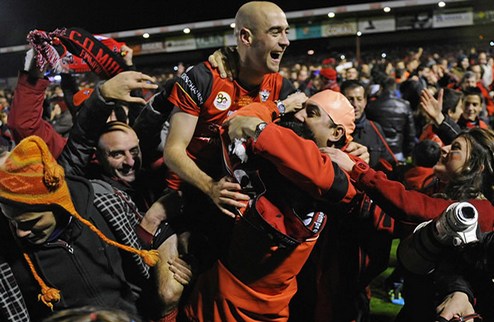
(222, 101)
(264, 95)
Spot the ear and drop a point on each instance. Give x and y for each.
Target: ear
(246, 36)
(337, 133)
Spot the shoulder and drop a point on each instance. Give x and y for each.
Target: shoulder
(197, 82)
(101, 187)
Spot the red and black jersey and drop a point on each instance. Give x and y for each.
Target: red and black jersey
(203, 93)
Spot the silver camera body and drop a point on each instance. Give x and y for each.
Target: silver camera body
(456, 226)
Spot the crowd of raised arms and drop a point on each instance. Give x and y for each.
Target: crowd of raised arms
(254, 186)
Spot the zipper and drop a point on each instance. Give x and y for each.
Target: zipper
(60, 243)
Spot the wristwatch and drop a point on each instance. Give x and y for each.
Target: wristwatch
(259, 128)
(281, 107)
(359, 169)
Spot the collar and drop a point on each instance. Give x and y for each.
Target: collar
(360, 123)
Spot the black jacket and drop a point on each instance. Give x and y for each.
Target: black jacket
(82, 266)
(367, 134)
(396, 118)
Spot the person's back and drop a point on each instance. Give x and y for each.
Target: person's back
(396, 118)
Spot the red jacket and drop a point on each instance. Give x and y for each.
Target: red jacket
(409, 205)
(25, 116)
(257, 280)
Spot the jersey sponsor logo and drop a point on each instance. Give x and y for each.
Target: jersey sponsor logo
(222, 101)
(192, 88)
(264, 95)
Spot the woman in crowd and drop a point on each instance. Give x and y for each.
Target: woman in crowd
(466, 169)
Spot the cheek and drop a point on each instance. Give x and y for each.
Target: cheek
(455, 156)
(111, 164)
(455, 161)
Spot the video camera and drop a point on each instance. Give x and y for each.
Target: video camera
(456, 226)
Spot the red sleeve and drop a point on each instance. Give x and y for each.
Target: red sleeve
(404, 204)
(25, 116)
(266, 111)
(182, 100)
(301, 162)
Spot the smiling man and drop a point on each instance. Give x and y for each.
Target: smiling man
(118, 152)
(472, 108)
(203, 100)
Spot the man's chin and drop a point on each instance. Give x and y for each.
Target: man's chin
(37, 240)
(129, 178)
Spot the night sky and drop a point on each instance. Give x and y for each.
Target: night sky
(18, 17)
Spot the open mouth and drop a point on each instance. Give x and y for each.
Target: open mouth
(126, 171)
(276, 56)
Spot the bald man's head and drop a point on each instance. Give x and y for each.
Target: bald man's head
(261, 30)
(253, 13)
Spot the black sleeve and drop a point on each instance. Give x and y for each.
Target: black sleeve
(83, 137)
(410, 135)
(447, 130)
(69, 88)
(151, 120)
(286, 89)
(449, 278)
(197, 82)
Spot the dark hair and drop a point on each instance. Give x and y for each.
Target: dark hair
(469, 91)
(476, 179)
(352, 84)
(116, 126)
(467, 75)
(411, 90)
(426, 153)
(288, 121)
(451, 98)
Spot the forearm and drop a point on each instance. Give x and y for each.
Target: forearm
(84, 135)
(395, 200)
(301, 162)
(179, 162)
(25, 117)
(148, 126)
(447, 130)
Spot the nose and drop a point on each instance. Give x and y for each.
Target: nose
(284, 42)
(300, 115)
(129, 158)
(22, 233)
(445, 150)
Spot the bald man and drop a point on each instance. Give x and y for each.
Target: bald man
(202, 100)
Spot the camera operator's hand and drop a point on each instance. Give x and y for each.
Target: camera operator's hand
(454, 305)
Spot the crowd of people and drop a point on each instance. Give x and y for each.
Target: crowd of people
(240, 189)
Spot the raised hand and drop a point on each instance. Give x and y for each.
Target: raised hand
(120, 86)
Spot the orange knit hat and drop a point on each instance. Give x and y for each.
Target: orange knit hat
(338, 108)
(31, 176)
